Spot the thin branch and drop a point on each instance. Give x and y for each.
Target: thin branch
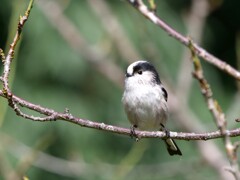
(10, 54)
(106, 16)
(7, 61)
(216, 112)
(178, 103)
(189, 122)
(53, 116)
(151, 15)
(17, 110)
(2, 55)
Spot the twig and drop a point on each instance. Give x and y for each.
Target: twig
(10, 54)
(187, 120)
(216, 112)
(143, 9)
(17, 110)
(153, 6)
(2, 55)
(7, 61)
(66, 116)
(53, 115)
(195, 22)
(57, 18)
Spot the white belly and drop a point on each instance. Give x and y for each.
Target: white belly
(146, 108)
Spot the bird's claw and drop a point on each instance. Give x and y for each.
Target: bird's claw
(133, 133)
(166, 131)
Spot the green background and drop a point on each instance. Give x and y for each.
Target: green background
(49, 71)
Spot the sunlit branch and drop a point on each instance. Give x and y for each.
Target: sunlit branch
(216, 111)
(52, 115)
(152, 16)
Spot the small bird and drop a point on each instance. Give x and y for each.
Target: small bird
(145, 101)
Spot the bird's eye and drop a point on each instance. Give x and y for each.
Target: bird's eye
(139, 72)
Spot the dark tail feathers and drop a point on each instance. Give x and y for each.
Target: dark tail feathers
(172, 147)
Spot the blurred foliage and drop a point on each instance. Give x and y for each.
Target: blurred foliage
(50, 73)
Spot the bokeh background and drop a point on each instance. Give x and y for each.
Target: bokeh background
(73, 54)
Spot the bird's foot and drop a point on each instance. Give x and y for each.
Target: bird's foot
(133, 133)
(166, 131)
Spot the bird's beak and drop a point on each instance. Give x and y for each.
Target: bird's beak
(127, 75)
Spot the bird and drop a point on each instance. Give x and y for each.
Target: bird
(145, 101)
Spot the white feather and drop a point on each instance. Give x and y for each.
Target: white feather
(144, 100)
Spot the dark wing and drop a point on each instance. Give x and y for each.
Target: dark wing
(165, 94)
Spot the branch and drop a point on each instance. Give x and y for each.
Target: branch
(52, 115)
(195, 21)
(64, 25)
(216, 112)
(151, 15)
(7, 60)
(2, 55)
(10, 55)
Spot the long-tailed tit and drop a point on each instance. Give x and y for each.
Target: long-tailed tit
(145, 101)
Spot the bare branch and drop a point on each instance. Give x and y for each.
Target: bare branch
(10, 54)
(53, 115)
(217, 113)
(2, 55)
(143, 9)
(7, 60)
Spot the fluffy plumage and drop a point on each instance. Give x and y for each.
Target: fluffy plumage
(145, 100)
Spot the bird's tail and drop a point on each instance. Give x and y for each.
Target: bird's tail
(172, 147)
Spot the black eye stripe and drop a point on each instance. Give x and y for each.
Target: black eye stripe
(146, 66)
(137, 69)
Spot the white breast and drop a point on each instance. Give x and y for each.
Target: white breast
(145, 105)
